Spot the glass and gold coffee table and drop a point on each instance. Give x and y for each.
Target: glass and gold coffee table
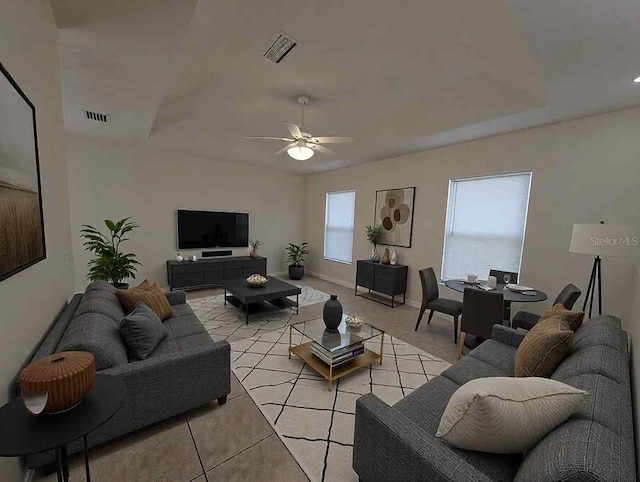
(334, 355)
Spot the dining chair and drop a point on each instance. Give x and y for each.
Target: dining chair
(499, 274)
(567, 298)
(480, 311)
(431, 301)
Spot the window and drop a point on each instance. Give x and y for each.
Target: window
(338, 226)
(486, 220)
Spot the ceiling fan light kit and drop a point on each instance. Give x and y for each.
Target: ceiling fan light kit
(300, 153)
(302, 145)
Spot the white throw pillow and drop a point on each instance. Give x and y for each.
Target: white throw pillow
(506, 415)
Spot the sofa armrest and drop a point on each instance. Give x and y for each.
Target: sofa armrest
(389, 446)
(508, 336)
(176, 297)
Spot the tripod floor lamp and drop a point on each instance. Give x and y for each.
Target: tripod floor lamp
(602, 240)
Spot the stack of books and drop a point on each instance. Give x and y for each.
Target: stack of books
(338, 351)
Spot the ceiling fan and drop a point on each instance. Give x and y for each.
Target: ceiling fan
(303, 145)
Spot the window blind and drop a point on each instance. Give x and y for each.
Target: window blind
(338, 226)
(485, 225)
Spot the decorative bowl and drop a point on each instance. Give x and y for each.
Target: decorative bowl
(256, 281)
(354, 322)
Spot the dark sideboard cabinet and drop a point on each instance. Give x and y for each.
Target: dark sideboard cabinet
(382, 278)
(206, 273)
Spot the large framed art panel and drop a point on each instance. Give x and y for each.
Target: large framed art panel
(394, 212)
(22, 241)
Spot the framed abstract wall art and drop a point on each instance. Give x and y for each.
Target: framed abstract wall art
(22, 242)
(394, 212)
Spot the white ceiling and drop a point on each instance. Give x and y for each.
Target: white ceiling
(398, 76)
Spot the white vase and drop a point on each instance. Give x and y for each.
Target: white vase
(394, 257)
(194, 258)
(179, 258)
(374, 255)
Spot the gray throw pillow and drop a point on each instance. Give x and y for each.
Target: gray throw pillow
(142, 331)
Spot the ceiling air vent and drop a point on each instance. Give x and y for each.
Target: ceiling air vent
(280, 48)
(97, 117)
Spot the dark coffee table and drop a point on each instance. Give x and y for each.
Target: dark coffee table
(275, 292)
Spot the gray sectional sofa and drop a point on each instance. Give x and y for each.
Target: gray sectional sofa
(597, 444)
(187, 368)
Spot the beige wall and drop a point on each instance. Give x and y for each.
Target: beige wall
(583, 171)
(31, 299)
(113, 180)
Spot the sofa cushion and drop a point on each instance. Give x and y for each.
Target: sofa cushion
(191, 341)
(142, 331)
(150, 295)
(578, 450)
(598, 359)
(605, 402)
(98, 304)
(470, 368)
(425, 405)
(496, 354)
(182, 309)
(602, 333)
(507, 415)
(547, 344)
(102, 294)
(185, 325)
(97, 334)
(101, 286)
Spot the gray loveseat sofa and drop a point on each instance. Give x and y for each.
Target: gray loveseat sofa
(398, 443)
(186, 370)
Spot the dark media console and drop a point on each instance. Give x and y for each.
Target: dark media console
(206, 273)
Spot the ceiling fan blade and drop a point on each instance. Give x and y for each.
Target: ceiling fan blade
(294, 129)
(288, 146)
(270, 138)
(324, 150)
(332, 139)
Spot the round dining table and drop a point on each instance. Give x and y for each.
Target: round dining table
(509, 297)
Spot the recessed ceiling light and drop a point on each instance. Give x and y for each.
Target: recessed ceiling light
(637, 80)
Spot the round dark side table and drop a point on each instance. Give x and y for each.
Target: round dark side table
(25, 434)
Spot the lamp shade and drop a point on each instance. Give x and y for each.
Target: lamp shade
(300, 153)
(605, 240)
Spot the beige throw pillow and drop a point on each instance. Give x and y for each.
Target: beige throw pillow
(505, 415)
(546, 346)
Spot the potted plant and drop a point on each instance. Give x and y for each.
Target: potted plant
(374, 236)
(110, 264)
(296, 256)
(254, 245)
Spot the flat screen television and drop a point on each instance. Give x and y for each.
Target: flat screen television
(209, 229)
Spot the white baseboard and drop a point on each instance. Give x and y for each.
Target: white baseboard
(330, 279)
(412, 303)
(28, 475)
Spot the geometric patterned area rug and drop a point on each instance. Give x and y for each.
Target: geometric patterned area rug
(314, 423)
(225, 322)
